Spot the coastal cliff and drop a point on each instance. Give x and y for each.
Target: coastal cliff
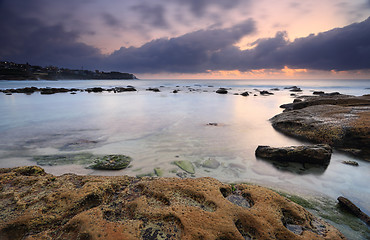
(37, 205)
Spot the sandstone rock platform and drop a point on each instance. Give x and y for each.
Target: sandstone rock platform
(341, 121)
(37, 205)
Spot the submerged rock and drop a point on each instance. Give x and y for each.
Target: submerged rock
(111, 162)
(37, 205)
(316, 154)
(158, 172)
(211, 163)
(245, 94)
(64, 159)
(185, 165)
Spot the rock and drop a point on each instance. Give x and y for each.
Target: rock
(316, 154)
(212, 124)
(295, 89)
(275, 89)
(111, 162)
(354, 209)
(158, 172)
(175, 91)
(125, 89)
(37, 205)
(318, 93)
(222, 91)
(185, 165)
(64, 159)
(95, 89)
(340, 121)
(211, 163)
(153, 89)
(245, 94)
(292, 87)
(265, 93)
(353, 163)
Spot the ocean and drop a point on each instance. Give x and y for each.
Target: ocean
(158, 128)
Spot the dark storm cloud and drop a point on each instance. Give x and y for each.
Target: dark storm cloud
(188, 53)
(111, 20)
(199, 7)
(152, 14)
(28, 39)
(345, 48)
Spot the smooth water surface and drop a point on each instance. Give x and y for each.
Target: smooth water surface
(156, 129)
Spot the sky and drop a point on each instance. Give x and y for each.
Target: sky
(249, 39)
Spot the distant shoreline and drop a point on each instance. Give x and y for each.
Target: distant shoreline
(21, 72)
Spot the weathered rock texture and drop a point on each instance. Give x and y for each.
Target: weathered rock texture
(316, 154)
(338, 120)
(36, 205)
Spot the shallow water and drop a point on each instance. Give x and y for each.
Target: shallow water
(156, 129)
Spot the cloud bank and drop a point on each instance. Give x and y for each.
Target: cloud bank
(27, 38)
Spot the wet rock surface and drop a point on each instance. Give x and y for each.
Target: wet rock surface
(111, 162)
(338, 120)
(37, 205)
(354, 209)
(316, 154)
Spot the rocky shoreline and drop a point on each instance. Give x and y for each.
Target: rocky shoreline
(341, 121)
(37, 205)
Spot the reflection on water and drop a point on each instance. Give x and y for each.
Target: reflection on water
(156, 129)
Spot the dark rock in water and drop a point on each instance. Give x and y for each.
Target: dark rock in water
(245, 94)
(316, 154)
(353, 163)
(354, 209)
(153, 89)
(292, 87)
(212, 124)
(175, 91)
(265, 93)
(318, 93)
(125, 89)
(295, 89)
(297, 100)
(111, 162)
(275, 89)
(221, 91)
(95, 89)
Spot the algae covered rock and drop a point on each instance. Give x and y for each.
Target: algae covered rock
(64, 159)
(211, 163)
(111, 162)
(102, 162)
(185, 165)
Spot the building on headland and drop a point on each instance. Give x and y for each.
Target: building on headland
(15, 71)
